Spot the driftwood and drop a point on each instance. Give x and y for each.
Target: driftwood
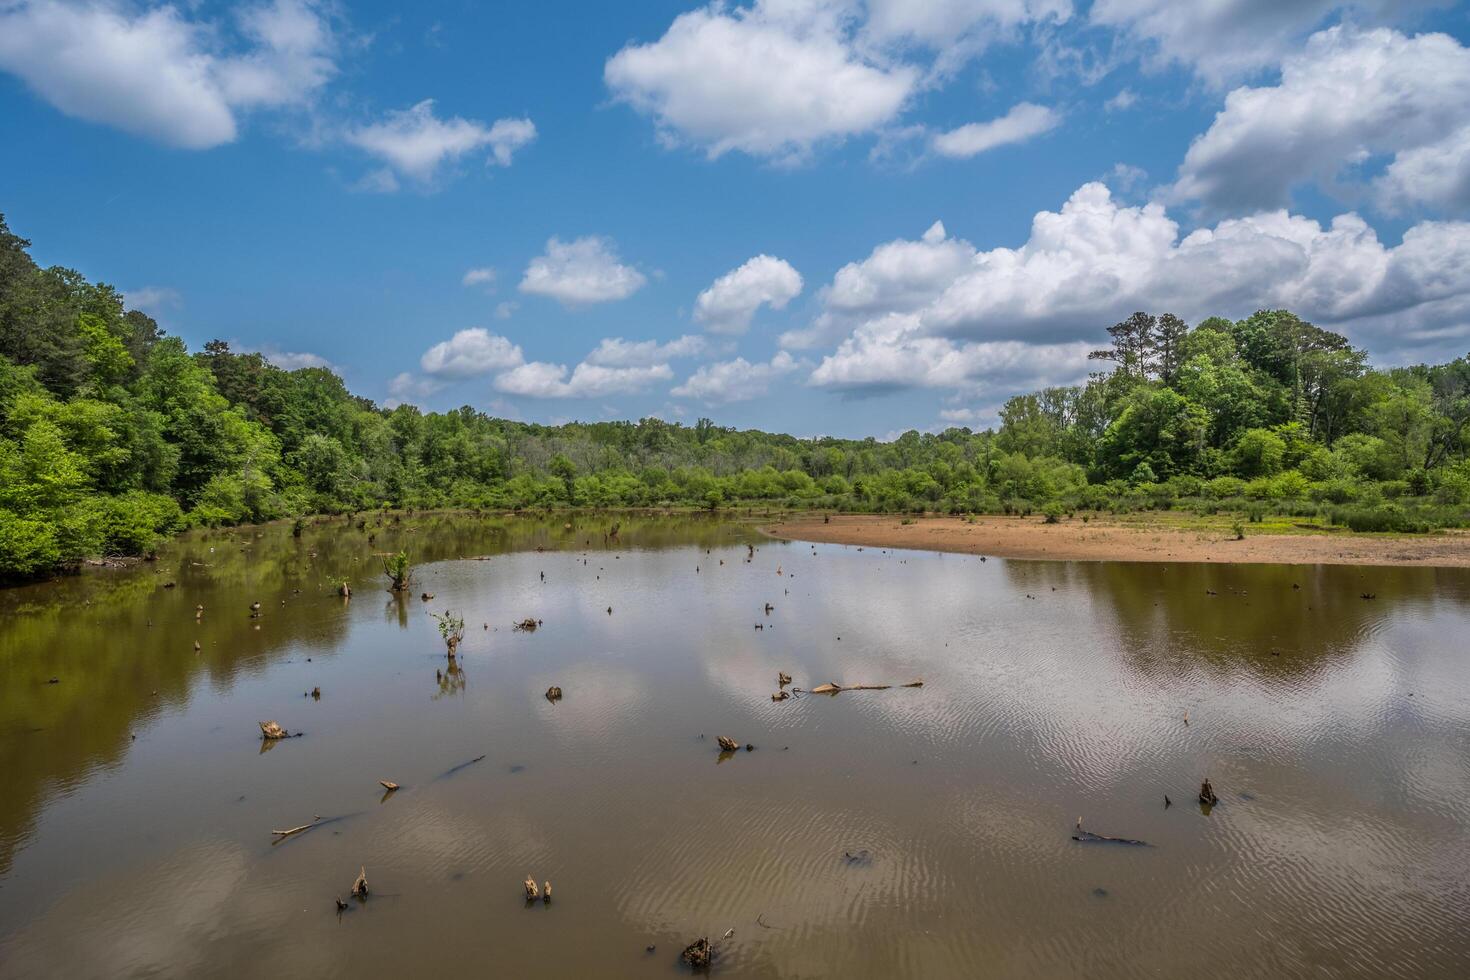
(1207, 794)
(553, 693)
(283, 834)
(830, 688)
(727, 743)
(1087, 837)
(783, 678)
(546, 892)
(359, 885)
(388, 784)
(780, 695)
(527, 625)
(530, 885)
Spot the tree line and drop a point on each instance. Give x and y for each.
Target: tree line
(114, 435)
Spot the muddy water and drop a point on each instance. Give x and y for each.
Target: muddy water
(138, 799)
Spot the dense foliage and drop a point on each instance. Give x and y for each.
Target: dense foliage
(112, 435)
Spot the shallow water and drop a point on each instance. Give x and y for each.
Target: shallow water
(138, 802)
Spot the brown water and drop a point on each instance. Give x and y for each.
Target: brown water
(138, 799)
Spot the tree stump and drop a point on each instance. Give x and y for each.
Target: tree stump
(728, 744)
(1207, 794)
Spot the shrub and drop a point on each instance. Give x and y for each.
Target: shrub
(1053, 512)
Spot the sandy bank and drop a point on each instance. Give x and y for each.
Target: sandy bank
(1154, 538)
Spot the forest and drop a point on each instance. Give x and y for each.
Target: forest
(114, 436)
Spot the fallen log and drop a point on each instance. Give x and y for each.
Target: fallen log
(388, 784)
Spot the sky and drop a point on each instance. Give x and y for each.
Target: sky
(822, 217)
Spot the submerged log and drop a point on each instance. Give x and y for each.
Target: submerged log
(727, 743)
(783, 678)
(1207, 794)
(388, 784)
(359, 885)
(272, 731)
(553, 693)
(825, 689)
(530, 885)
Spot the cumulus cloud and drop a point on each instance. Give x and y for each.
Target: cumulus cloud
(733, 381)
(730, 302)
(581, 272)
(407, 387)
(1028, 314)
(966, 24)
(159, 74)
(617, 352)
(153, 300)
(1024, 121)
(769, 80)
(470, 353)
(416, 143)
(1346, 98)
(893, 352)
(898, 276)
(482, 276)
(1222, 40)
(538, 379)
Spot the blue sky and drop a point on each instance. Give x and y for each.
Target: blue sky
(567, 210)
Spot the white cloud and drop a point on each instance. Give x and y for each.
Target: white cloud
(1027, 315)
(538, 379)
(1225, 39)
(506, 309)
(153, 300)
(898, 276)
(770, 80)
(580, 272)
(291, 55)
(159, 74)
(295, 360)
(730, 302)
(469, 353)
(949, 23)
(1124, 100)
(894, 352)
(407, 388)
(482, 276)
(617, 352)
(733, 381)
(1025, 120)
(415, 143)
(1348, 97)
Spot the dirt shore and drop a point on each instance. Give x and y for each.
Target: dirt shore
(1147, 539)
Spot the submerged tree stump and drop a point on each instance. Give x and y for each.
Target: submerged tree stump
(271, 731)
(727, 743)
(1207, 794)
(699, 953)
(359, 885)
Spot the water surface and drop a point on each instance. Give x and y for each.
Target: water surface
(135, 822)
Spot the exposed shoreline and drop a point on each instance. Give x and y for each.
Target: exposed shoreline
(1114, 539)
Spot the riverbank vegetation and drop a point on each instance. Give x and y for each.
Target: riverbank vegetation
(113, 435)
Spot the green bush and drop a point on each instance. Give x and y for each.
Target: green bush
(27, 547)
